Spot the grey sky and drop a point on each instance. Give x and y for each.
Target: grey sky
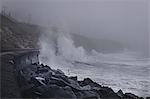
(121, 20)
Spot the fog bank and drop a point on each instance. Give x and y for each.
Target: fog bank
(124, 21)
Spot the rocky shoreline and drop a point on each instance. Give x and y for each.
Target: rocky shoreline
(23, 77)
(40, 81)
(37, 80)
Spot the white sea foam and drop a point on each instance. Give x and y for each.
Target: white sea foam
(124, 70)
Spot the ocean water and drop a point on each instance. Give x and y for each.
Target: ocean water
(129, 78)
(126, 70)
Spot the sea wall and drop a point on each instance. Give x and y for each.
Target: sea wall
(10, 65)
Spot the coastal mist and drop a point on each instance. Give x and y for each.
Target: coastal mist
(75, 49)
(127, 70)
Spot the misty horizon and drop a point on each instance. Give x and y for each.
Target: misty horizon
(124, 21)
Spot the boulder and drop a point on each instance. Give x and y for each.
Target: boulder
(41, 70)
(41, 90)
(58, 71)
(120, 93)
(34, 64)
(75, 78)
(130, 96)
(88, 81)
(87, 94)
(107, 93)
(47, 67)
(87, 87)
(38, 81)
(61, 77)
(90, 95)
(74, 84)
(29, 93)
(57, 92)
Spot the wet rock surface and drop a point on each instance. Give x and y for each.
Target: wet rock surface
(29, 79)
(40, 81)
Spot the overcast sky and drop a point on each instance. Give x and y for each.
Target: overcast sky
(121, 20)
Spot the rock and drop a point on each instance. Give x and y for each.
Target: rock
(41, 70)
(58, 71)
(34, 64)
(107, 93)
(61, 77)
(27, 73)
(75, 78)
(47, 67)
(74, 84)
(120, 93)
(141, 98)
(41, 80)
(60, 83)
(48, 83)
(11, 61)
(37, 82)
(41, 90)
(87, 87)
(63, 83)
(47, 77)
(88, 81)
(57, 92)
(42, 65)
(29, 93)
(130, 96)
(90, 95)
(87, 94)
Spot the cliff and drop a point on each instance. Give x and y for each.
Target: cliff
(18, 35)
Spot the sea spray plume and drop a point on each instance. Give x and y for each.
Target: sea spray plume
(58, 49)
(47, 48)
(68, 49)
